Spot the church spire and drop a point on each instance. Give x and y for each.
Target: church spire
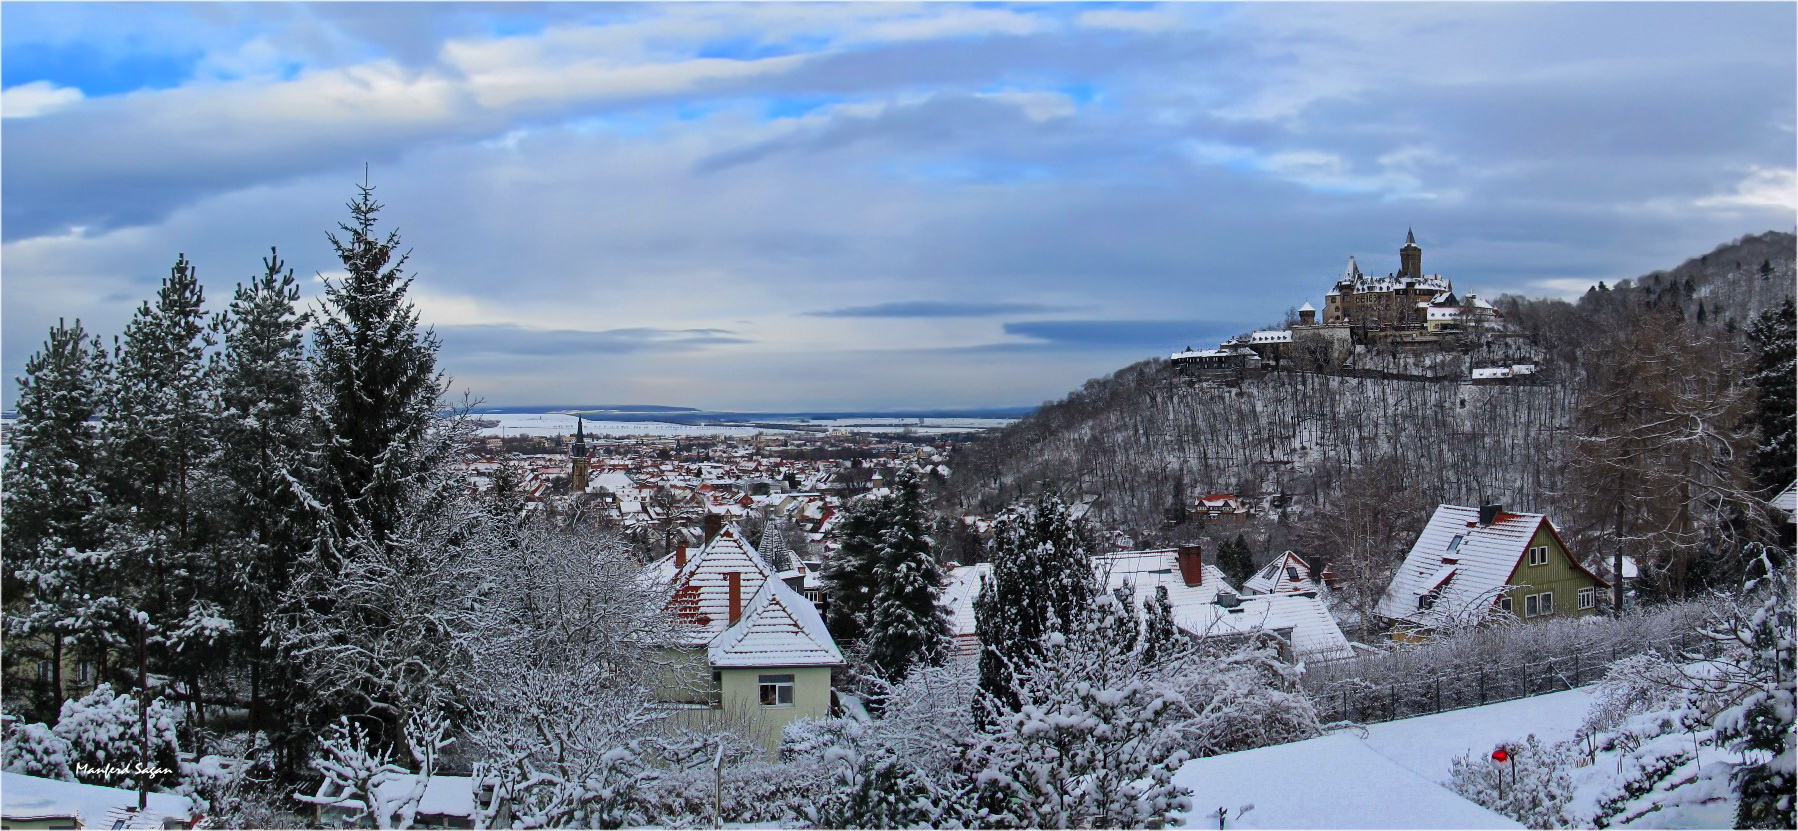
(1410, 257)
(1410, 238)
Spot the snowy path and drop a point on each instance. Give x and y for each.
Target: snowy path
(1388, 778)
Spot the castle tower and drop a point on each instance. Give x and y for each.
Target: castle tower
(1410, 257)
(577, 481)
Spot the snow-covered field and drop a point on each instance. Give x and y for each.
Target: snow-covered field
(1389, 775)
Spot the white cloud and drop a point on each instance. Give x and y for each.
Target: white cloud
(1764, 188)
(1154, 20)
(35, 99)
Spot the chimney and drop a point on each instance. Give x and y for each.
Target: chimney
(736, 595)
(1489, 513)
(714, 524)
(1191, 564)
(680, 556)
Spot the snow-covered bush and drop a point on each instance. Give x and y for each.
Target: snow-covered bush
(1242, 696)
(106, 736)
(1532, 788)
(35, 750)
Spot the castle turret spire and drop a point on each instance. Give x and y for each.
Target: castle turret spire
(578, 458)
(1410, 257)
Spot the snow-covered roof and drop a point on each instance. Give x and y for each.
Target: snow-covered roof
(450, 796)
(33, 797)
(1286, 573)
(1307, 307)
(779, 628)
(961, 586)
(1302, 619)
(1465, 562)
(701, 590)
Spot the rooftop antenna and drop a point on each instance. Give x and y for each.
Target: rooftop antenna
(365, 174)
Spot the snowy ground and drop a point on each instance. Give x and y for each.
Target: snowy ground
(1389, 775)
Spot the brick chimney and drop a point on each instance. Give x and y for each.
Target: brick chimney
(1489, 513)
(1191, 564)
(736, 595)
(714, 524)
(680, 556)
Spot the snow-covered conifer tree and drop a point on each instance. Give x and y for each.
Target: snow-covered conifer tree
(1042, 580)
(849, 573)
(378, 381)
(262, 463)
(56, 576)
(905, 625)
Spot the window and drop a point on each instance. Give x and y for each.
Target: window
(1588, 597)
(776, 690)
(1548, 603)
(1530, 607)
(1539, 555)
(1504, 603)
(1292, 573)
(1535, 605)
(1455, 544)
(1425, 601)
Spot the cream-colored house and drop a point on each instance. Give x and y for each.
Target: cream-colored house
(756, 654)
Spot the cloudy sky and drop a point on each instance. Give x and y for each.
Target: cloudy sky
(821, 205)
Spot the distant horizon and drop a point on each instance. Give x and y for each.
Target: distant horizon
(873, 206)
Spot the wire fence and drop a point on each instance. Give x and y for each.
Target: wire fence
(1365, 701)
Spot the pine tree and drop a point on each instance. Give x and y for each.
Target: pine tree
(158, 434)
(1776, 395)
(378, 380)
(1760, 725)
(849, 574)
(1235, 560)
(55, 576)
(264, 438)
(1042, 583)
(906, 626)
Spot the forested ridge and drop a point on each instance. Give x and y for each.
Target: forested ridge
(1671, 361)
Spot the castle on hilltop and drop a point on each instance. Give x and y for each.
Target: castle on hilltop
(1408, 301)
(1406, 307)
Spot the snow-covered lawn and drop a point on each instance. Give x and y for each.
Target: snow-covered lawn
(1390, 776)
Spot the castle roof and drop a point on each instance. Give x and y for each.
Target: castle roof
(1307, 307)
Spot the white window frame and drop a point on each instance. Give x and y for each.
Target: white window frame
(1504, 603)
(775, 690)
(1548, 603)
(1588, 597)
(1539, 555)
(1531, 605)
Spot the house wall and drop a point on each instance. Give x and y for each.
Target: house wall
(1559, 576)
(742, 699)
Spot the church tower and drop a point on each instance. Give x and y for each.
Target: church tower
(1410, 257)
(577, 481)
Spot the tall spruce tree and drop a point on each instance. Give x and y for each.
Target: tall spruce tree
(56, 575)
(378, 381)
(263, 454)
(1042, 583)
(906, 626)
(1776, 395)
(849, 574)
(352, 622)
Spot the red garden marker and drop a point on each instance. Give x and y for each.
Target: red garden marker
(1500, 754)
